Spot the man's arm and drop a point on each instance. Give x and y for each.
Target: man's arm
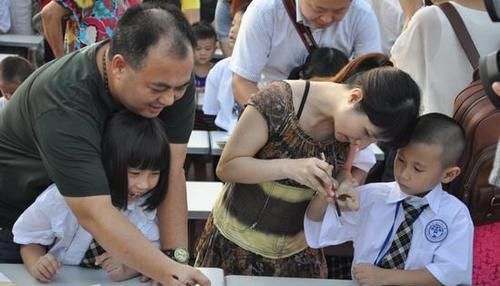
(192, 15)
(191, 9)
(243, 89)
(52, 15)
(172, 212)
(124, 241)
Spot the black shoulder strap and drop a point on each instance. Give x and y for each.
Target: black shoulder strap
(462, 33)
(304, 98)
(303, 31)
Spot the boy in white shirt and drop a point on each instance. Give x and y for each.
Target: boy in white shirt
(219, 99)
(438, 246)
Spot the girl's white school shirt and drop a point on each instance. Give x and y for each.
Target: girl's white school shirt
(49, 221)
(442, 234)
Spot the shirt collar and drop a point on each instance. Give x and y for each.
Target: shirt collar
(137, 203)
(432, 198)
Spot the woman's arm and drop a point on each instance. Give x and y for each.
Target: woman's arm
(238, 164)
(52, 15)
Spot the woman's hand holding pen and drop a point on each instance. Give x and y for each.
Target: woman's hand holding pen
(345, 197)
(315, 174)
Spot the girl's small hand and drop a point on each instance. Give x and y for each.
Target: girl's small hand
(46, 268)
(315, 174)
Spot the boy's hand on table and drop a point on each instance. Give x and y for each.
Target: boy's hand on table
(46, 268)
(368, 274)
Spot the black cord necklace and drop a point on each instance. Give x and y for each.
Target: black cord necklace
(104, 72)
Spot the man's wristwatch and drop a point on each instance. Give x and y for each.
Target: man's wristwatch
(179, 254)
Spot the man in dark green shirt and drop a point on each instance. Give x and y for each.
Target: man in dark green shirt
(51, 132)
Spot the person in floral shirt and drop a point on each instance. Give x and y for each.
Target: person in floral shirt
(87, 22)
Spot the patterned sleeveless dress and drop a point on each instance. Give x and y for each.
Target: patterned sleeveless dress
(257, 229)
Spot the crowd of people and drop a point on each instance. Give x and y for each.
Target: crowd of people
(93, 144)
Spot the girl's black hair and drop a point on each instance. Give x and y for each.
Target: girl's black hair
(391, 101)
(131, 140)
(322, 62)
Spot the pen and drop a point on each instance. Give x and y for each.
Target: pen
(337, 207)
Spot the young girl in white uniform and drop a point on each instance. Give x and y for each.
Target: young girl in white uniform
(136, 159)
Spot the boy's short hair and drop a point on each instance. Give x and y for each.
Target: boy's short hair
(437, 128)
(15, 69)
(203, 30)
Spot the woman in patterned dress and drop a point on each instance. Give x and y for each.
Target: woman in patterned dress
(272, 165)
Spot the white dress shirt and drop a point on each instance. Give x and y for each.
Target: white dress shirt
(442, 234)
(219, 98)
(269, 45)
(4, 16)
(429, 51)
(50, 221)
(390, 20)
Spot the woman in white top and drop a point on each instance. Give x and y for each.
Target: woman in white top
(430, 52)
(136, 159)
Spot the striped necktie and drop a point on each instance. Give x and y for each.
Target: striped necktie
(395, 257)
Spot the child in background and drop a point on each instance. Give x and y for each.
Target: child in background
(136, 158)
(404, 232)
(13, 71)
(321, 63)
(219, 99)
(206, 43)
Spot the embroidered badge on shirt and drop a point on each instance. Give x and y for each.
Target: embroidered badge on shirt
(436, 230)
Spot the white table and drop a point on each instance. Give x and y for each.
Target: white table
(3, 56)
(235, 280)
(201, 197)
(20, 41)
(24, 45)
(215, 137)
(67, 276)
(78, 276)
(198, 143)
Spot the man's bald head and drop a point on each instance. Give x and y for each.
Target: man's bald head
(147, 25)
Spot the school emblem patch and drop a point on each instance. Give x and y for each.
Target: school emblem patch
(436, 230)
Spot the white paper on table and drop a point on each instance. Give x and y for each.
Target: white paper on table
(4, 278)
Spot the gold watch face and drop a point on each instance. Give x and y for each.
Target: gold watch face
(181, 255)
